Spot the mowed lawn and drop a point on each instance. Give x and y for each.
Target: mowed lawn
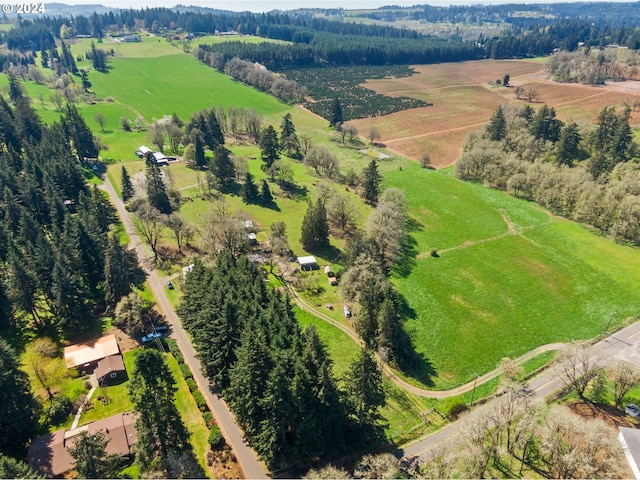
(497, 289)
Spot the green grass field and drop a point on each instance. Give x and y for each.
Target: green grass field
(178, 83)
(502, 289)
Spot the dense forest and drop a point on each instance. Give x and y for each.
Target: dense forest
(276, 378)
(54, 239)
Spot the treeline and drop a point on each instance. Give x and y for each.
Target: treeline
(588, 176)
(276, 378)
(593, 67)
(321, 49)
(60, 267)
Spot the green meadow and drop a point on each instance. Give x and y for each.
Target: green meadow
(509, 277)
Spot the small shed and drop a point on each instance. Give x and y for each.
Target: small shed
(143, 151)
(248, 224)
(333, 281)
(346, 310)
(308, 263)
(186, 270)
(110, 369)
(328, 271)
(253, 240)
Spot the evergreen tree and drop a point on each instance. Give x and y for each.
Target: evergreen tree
(288, 139)
(222, 168)
(214, 132)
(545, 125)
(156, 191)
(265, 194)
(269, 147)
(91, 458)
(98, 58)
(364, 390)
(568, 145)
(247, 378)
(315, 390)
(371, 183)
(249, 190)
(12, 468)
(161, 432)
(18, 408)
(336, 113)
(121, 271)
(315, 228)
(200, 159)
(67, 59)
(497, 126)
(15, 89)
(79, 133)
(127, 187)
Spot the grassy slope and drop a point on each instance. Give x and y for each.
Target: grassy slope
(474, 305)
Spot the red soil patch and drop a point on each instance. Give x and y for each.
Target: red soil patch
(463, 101)
(611, 415)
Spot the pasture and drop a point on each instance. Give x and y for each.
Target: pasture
(464, 98)
(509, 277)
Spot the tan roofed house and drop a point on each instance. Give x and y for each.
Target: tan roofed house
(50, 455)
(85, 354)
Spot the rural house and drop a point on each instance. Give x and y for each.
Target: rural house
(87, 355)
(50, 456)
(110, 369)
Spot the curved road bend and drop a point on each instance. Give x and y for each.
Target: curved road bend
(621, 345)
(403, 384)
(245, 456)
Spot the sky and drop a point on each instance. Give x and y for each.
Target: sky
(263, 6)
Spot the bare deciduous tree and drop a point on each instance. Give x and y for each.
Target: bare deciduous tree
(425, 160)
(342, 213)
(149, 223)
(373, 134)
(577, 366)
(223, 230)
(383, 465)
(101, 120)
(625, 377)
(573, 447)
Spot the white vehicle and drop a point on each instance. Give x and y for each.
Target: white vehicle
(632, 410)
(150, 336)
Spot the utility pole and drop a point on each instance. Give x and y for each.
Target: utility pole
(473, 392)
(609, 324)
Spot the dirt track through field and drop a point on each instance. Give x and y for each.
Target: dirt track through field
(512, 229)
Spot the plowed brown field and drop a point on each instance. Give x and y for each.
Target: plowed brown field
(464, 97)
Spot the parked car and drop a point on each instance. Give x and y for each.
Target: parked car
(632, 410)
(161, 328)
(170, 285)
(150, 336)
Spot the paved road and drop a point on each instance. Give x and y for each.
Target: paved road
(621, 345)
(245, 456)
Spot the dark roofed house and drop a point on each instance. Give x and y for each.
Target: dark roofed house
(110, 369)
(50, 456)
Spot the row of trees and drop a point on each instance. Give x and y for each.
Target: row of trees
(581, 174)
(276, 378)
(593, 67)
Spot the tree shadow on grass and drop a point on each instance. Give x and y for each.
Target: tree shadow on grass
(410, 362)
(331, 253)
(409, 251)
